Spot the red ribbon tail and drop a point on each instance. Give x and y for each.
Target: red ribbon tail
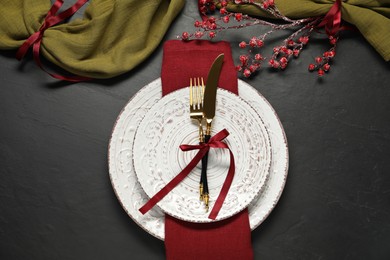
(71, 10)
(174, 182)
(72, 78)
(22, 51)
(54, 8)
(225, 189)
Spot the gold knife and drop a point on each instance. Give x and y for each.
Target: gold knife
(209, 98)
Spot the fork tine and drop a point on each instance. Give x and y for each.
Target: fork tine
(203, 87)
(200, 94)
(191, 101)
(196, 93)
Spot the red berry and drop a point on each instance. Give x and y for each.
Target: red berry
(212, 26)
(290, 42)
(276, 65)
(304, 40)
(259, 43)
(198, 24)
(212, 7)
(242, 44)
(224, 3)
(252, 42)
(238, 16)
(265, 5)
(243, 59)
(284, 49)
(276, 49)
(238, 68)
(226, 19)
(296, 52)
(202, 2)
(318, 60)
(271, 62)
(198, 34)
(326, 67)
(333, 40)
(271, 2)
(283, 60)
(185, 35)
(252, 68)
(258, 56)
(211, 34)
(247, 73)
(312, 67)
(283, 66)
(321, 72)
(238, 1)
(223, 10)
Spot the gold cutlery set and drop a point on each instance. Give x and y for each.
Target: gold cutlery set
(202, 109)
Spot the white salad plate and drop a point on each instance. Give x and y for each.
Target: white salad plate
(158, 159)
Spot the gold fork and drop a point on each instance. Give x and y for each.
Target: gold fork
(196, 112)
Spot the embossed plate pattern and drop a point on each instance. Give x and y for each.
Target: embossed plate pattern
(127, 188)
(158, 159)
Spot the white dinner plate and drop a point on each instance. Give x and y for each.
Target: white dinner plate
(158, 159)
(129, 191)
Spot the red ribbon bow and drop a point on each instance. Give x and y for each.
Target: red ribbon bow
(35, 39)
(214, 142)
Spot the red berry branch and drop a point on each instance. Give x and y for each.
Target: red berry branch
(252, 61)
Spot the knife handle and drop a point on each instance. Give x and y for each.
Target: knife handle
(203, 176)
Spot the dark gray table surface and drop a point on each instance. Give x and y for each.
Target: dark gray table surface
(57, 202)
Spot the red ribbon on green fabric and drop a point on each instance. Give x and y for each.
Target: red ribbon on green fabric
(35, 40)
(332, 20)
(214, 142)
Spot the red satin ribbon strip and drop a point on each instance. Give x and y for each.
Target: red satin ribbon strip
(35, 39)
(332, 20)
(214, 142)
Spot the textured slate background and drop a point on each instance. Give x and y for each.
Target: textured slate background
(56, 200)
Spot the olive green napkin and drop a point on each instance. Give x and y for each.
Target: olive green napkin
(371, 17)
(112, 38)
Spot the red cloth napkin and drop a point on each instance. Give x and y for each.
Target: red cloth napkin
(183, 60)
(229, 238)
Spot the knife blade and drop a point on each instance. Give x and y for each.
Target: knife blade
(209, 102)
(210, 93)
